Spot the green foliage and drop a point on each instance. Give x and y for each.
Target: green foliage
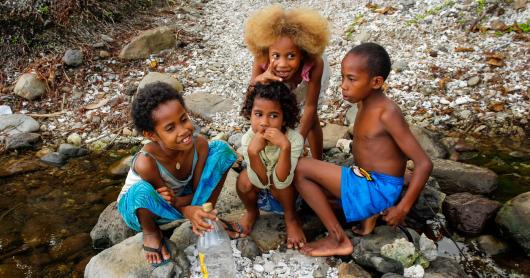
(433, 11)
(481, 5)
(358, 20)
(44, 10)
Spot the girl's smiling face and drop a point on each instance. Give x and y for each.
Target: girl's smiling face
(266, 113)
(173, 127)
(285, 57)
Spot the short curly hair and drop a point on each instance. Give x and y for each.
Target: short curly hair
(377, 59)
(274, 91)
(148, 99)
(306, 27)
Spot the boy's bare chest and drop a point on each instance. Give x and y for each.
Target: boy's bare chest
(368, 126)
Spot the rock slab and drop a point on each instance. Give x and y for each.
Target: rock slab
(455, 177)
(206, 105)
(514, 220)
(148, 42)
(153, 77)
(110, 228)
(29, 86)
(469, 213)
(17, 123)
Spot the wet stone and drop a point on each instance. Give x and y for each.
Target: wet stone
(73, 57)
(70, 150)
(22, 141)
(55, 159)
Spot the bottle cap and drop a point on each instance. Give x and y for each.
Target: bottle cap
(207, 207)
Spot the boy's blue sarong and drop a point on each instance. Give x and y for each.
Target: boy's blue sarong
(143, 195)
(362, 197)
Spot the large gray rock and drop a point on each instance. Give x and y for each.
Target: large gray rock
(148, 42)
(29, 86)
(514, 220)
(55, 159)
(352, 270)
(332, 133)
(110, 228)
(429, 142)
(183, 236)
(228, 200)
(73, 57)
(206, 105)
(70, 150)
(367, 251)
(444, 268)
(455, 177)
(126, 259)
(351, 114)
(17, 123)
(153, 77)
(268, 232)
(469, 213)
(428, 204)
(22, 140)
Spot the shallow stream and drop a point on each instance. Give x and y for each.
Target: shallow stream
(46, 212)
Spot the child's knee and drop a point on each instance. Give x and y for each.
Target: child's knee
(243, 184)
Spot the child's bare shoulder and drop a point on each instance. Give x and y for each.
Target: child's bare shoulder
(202, 144)
(145, 164)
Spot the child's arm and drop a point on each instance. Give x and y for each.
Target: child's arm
(398, 128)
(262, 76)
(284, 171)
(257, 168)
(311, 103)
(283, 166)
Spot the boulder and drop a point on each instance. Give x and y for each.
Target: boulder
(429, 142)
(148, 42)
(121, 167)
(22, 141)
(248, 248)
(352, 270)
(332, 133)
(455, 177)
(428, 204)
(73, 57)
(17, 123)
(268, 231)
(29, 86)
(446, 268)
(206, 105)
(490, 245)
(70, 150)
(469, 213)
(183, 236)
(351, 114)
(514, 220)
(110, 228)
(153, 77)
(126, 259)
(55, 159)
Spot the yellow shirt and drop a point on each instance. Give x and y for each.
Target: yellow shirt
(269, 157)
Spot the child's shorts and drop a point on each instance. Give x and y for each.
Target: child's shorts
(267, 202)
(364, 194)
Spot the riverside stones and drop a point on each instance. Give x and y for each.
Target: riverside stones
(428, 204)
(429, 142)
(514, 220)
(148, 42)
(70, 150)
(73, 57)
(469, 213)
(206, 105)
(55, 159)
(17, 123)
(110, 228)
(22, 141)
(29, 86)
(153, 77)
(352, 270)
(332, 133)
(121, 167)
(455, 177)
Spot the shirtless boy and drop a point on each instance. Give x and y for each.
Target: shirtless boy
(382, 144)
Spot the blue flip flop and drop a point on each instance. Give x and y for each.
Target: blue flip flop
(163, 242)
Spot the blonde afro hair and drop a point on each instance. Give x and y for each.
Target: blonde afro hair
(306, 27)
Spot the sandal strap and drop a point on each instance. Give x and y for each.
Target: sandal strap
(155, 250)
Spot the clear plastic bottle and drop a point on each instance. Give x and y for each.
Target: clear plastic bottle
(215, 251)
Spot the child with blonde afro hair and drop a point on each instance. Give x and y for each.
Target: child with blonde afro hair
(288, 46)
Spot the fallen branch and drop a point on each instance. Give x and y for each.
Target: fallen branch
(50, 115)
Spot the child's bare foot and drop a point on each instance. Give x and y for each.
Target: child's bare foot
(247, 222)
(295, 235)
(154, 248)
(367, 226)
(328, 246)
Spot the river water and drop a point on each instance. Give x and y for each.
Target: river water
(46, 213)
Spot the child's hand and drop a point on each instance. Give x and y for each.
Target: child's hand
(168, 194)
(196, 216)
(276, 137)
(257, 144)
(394, 216)
(268, 75)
